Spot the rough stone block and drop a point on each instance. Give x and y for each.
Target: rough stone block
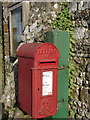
(84, 94)
(18, 114)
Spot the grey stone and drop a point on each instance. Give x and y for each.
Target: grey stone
(88, 67)
(81, 112)
(75, 109)
(88, 115)
(8, 97)
(83, 5)
(79, 33)
(79, 81)
(73, 7)
(84, 95)
(84, 118)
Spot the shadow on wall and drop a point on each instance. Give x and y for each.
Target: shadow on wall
(15, 69)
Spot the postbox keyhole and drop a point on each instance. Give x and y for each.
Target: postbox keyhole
(38, 89)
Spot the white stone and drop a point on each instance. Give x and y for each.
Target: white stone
(56, 6)
(23, 38)
(49, 21)
(84, 22)
(33, 26)
(28, 37)
(79, 103)
(26, 30)
(39, 15)
(32, 15)
(37, 9)
(8, 98)
(79, 33)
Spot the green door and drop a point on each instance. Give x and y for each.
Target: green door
(61, 40)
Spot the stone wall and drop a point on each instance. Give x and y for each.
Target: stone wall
(39, 16)
(81, 20)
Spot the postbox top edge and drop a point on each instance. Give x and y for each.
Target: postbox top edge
(30, 49)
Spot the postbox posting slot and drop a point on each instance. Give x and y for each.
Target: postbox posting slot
(42, 62)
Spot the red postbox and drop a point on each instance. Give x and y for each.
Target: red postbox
(37, 79)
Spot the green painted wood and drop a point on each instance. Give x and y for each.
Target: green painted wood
(61, 40)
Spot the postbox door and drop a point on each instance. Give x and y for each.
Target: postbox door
(44, 92)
